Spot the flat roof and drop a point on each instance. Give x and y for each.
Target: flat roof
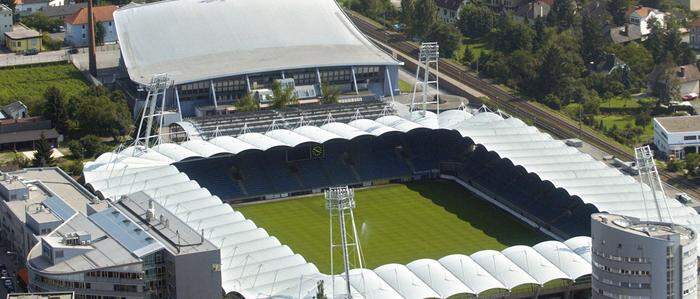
(104, 251)
(679, 124)
(651, 229)
(176, 235)
(212, 39)
(47, 184)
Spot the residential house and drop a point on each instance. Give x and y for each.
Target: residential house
(27, 7)
(530, 11)
(641, 17)
(694, 35)
(448, 10)
(503, 4)
(63, 11)
(23, 39)
(22, 133)
(14, 110)
(5, 21)
(77, 30)
(686, 76)
(637, 25)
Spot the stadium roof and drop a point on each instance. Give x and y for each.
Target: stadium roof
(202, 40)
(136, 169)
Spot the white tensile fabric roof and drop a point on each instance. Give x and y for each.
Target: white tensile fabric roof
(202, 40)
(135, 169)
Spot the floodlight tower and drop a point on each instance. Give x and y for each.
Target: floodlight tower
(156, 96)
(429, 55)
(340, 201)
(649, 175)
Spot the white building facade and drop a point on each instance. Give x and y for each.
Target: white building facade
(677, 135)
(642, 259)
(5, 21)
(77, 29)
(640, 19)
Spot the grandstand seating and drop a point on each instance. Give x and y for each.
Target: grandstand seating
(254, 174)
(260, 121)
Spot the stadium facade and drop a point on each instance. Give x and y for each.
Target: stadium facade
(538, 179)
(217, 51)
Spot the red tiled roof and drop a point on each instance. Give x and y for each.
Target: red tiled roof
(101, 13)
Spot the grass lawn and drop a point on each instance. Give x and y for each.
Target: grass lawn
(29, 82)
(396, 223)
(405, 86)
(621, 121)
(478, 47)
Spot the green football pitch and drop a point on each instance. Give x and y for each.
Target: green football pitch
(396, 223)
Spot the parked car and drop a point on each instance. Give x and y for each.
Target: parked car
(73, 51)
(31, 52)
(684, 198)
(691, 96)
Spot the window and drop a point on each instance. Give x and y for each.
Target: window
(83, 35)
(690, 137)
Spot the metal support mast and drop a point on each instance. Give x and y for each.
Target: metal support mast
(429, 55)
(156, 96)
(649, 175)
(340, 201)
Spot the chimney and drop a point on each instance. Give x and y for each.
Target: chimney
(91, 35)
(151, 213)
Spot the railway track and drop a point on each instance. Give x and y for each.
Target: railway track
(514, 105)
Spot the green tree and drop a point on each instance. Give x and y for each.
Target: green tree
(91, 145)
(540, 33)
(407, 12)
(656, 40)
(639, 60)
(76, 149)
(476, 20)
(425, 18)
(523, 65)
(692, 162)
(54, 109)
(618, 10)
(512, 35)
(558, 69)
(42, 156)
(562, 14)
(467, 56)
(282, 97)
(102, 116)
(247, 103)
(448, 37)
(330, 94)
(41, 22)
(593, 39)
(99, 33)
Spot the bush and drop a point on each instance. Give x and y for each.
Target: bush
(674, 165)
(91, 145)
(50, 43)
(76, 149)
(74, 168)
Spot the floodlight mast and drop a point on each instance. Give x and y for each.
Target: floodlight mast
(157, 89)
(339, 202)
(649, 175)
(429, 55)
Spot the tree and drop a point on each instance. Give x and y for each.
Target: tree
(282, 97)
(76, 149)
(523, 65)
(639, 60)
(512, 35)
(618, 11)
(407, 11)
(99, 33)
(100, 115)
(372, 8)
(656, 41)
(330, 94)
(425, 18)
(476, 20)
(41, 22)
(562, 14)
(247, 103)
(593, 39)
(448, 37)
(54, 109)
(91, 145)
(467, 56)
(692, 162)
(42, 156)
(558, 70)
(540, 33)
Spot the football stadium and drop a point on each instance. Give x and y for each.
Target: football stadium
(465, 203)
(217, 51)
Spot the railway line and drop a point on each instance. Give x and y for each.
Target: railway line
(512, 104)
